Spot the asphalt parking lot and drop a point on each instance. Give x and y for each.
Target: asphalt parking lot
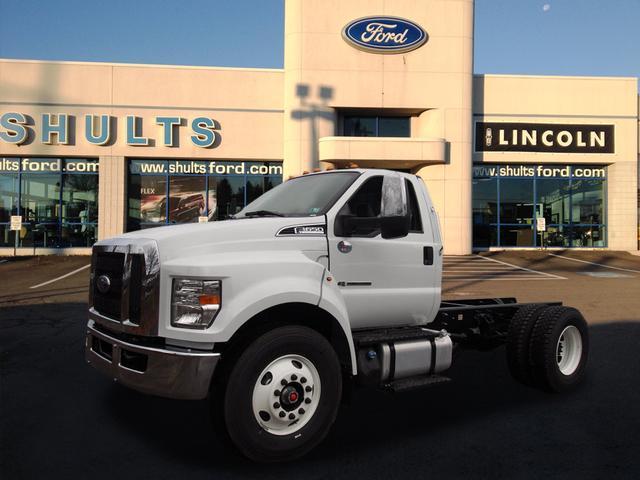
(60, 419)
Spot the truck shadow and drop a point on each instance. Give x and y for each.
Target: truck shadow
(60, 413)
(482, 389)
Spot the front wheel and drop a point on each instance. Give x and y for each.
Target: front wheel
(282, 394)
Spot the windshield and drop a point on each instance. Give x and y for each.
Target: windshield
(305, 196)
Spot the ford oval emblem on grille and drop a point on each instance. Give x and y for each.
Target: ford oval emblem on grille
(384, 34)
(103, 283)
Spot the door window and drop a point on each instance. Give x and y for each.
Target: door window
(415, 221)
(365, 203)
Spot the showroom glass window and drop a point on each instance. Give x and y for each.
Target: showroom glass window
(56, 197)
(376, 126)
(508, 200)
(164, 192)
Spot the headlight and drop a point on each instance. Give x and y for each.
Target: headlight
(194, 303)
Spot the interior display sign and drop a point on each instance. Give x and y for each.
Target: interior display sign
(544, 137)
(16, 222)
(541, 224)
(384, 34)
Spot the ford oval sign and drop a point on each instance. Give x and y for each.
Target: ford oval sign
(384, 34)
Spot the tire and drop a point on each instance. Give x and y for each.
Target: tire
(282, 394)
(559, 349)
(518, 340)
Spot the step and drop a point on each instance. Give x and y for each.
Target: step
(413, 383)
(375, 337)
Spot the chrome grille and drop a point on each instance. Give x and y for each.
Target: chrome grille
(109, 266)
(125, 286)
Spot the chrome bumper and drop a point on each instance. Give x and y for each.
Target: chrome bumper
(166, 373)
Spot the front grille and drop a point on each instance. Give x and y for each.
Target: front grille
(125, 285)
(136, 288)
(111, 265)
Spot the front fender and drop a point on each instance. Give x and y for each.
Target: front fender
(252, 284)
(332, 302)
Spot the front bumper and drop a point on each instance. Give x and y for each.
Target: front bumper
(157, 371)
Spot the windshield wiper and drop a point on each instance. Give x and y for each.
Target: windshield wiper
(263, 213)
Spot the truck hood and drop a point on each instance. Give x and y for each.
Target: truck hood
(245, 234)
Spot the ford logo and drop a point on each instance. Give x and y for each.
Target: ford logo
(103, 283)
(384, 35)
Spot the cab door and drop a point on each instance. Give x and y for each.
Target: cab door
(384, 281)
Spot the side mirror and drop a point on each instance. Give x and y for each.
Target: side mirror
(394, 215)
(347, 225)
(394, 227)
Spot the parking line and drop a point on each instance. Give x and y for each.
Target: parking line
(61, 277)
(524, 268)
(494, 279)
(593, 263)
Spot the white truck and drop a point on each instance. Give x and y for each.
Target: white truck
(329, 281)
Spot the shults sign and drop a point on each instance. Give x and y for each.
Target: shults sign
(384, 34)
(61, 128)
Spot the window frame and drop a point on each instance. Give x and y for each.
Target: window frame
(567, 229)
(132, 224)
(337, 228)
(377, 118)
(59, 223)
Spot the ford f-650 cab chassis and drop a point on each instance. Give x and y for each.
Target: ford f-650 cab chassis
(329, 281)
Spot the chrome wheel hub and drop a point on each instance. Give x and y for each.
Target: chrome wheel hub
(569, 350)
(286, 394)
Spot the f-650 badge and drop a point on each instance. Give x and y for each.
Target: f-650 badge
(384, 34)
(310, 230)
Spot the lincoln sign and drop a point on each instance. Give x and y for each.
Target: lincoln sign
(544, 137)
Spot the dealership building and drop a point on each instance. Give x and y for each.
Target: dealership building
(92, 150)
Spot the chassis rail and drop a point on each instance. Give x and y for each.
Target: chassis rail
(481, 323)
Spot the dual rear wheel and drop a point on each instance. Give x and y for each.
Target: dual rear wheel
(548, 347)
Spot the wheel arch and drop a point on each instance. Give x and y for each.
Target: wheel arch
(293, 313)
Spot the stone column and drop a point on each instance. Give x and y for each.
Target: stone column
(112, 202)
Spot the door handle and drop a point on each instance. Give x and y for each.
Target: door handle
(428, 255)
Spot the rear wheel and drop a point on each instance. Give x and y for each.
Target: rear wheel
(518, 340)
(559, 349)
(282, 394)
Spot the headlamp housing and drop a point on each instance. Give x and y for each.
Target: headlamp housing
(195, 302)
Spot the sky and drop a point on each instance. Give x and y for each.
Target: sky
(537, 37)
